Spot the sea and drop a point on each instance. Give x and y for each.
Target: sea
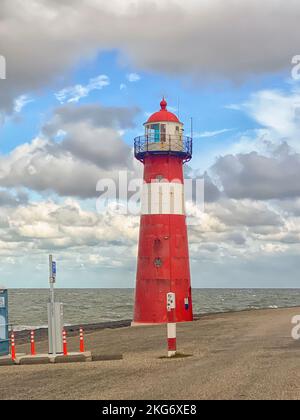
(28, 307)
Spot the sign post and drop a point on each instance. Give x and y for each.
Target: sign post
(55, 314)
(171, 326)
(52, 277)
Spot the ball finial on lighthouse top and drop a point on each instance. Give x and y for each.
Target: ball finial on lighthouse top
(163, 104)
(163, 115)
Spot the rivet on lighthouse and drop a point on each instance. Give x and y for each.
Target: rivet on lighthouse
(163, 254)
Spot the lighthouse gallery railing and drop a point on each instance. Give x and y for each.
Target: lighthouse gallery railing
(176, 145)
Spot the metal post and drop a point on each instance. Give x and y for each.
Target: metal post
(52, 300)
(171, 324)
(55, 314)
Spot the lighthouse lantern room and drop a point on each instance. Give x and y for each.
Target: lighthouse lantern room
(163, 255)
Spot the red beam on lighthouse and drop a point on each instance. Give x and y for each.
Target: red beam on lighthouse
(163, 256)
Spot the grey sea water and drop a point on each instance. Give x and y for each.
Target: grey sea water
(28, 307)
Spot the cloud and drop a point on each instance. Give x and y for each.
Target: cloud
(77, 92)
(231, 234)
(21, 102)
(102, 146)
(291, 207)
(277, 117)
(91, 149)
(11, 199)
(207, 134)
(133, 77)
(83, 241)
(211, 191)
(245, 230)
(203, 32)
(93, 114)
(227, 228)
(47, 224)
(264, 163)
(245, 213)
(258, 177)
(275, 110)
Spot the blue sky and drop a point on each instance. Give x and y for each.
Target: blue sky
(205, 102)
(72, 104)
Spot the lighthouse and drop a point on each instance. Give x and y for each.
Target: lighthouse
(163, 253)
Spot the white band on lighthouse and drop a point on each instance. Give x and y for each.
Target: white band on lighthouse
(163, 198)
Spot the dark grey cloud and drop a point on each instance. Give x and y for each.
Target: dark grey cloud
(260, 177)
(291, 207)
(43, 39)
(10, 199)
(211, 191)
(102, 147)
(237, 238)
(93, 114)
(72, 166)
(246, 213)
(91, 133)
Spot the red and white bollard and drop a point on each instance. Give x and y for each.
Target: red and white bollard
(171, 327)
(81, 338)
(32, 344)
(13, 346)
(65, 344)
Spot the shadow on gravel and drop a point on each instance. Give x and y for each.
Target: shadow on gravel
(176, 356)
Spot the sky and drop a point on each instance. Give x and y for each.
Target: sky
(81, 79)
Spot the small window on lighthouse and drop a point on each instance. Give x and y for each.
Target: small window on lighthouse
(154, 132)
(163, 132)
(158, 262)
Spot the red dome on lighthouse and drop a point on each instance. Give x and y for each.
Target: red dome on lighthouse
(163, 114)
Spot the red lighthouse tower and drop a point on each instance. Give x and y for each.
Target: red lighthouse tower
(163, 256)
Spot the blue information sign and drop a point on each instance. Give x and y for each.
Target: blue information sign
(53, 268)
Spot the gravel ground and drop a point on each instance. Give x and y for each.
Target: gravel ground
(245, 355)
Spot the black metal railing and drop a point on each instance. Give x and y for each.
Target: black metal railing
(163, 144)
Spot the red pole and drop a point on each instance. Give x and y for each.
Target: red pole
(65, 345)
(32, 344)
(171, 326)
(13, 346)
(81, 338)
